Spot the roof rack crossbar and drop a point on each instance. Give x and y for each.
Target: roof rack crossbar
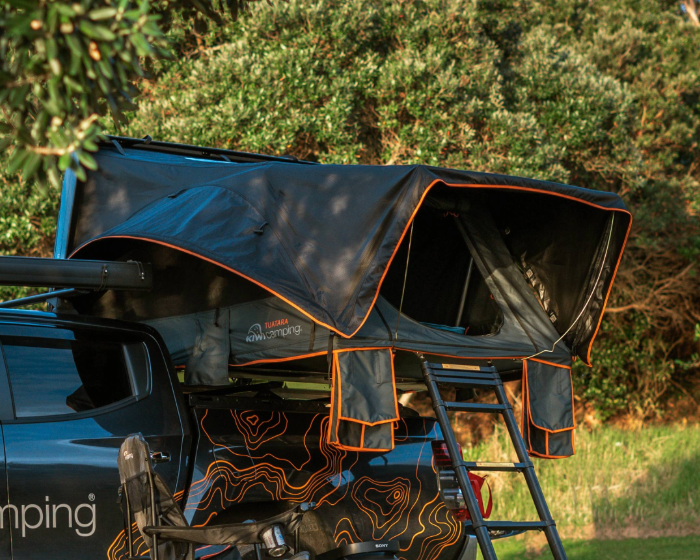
(39, 298)
(233, 156)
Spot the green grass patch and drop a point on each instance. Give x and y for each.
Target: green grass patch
(642, 481)
(664, 548)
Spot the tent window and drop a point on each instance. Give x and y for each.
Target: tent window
(437, 272)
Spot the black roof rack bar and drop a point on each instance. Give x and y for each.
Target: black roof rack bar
(78, 274)
(39, 298)
(197, 151)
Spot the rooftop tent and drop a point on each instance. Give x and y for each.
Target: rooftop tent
(260, 262)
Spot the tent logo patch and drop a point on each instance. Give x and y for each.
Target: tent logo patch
(279, 328)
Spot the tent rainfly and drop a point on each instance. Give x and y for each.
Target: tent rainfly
(360, 267)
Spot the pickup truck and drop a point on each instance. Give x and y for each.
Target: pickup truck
(72, 388)
(256, 263)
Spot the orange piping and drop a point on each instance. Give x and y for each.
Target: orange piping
(509, 187)
(386, 269)
(217, 263)
(607, 295)
(274, 360)
(302, 356)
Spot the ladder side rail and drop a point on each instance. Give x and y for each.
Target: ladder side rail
(533, 484)
(478, 525)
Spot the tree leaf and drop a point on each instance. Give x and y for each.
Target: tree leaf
(87, 160)
(102, 13)
(64, 162)
(5, 142)
(99, 32)
(17, 159)
(30, 166)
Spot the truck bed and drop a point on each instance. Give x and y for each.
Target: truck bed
(262, 452)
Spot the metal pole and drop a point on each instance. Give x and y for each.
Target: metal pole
(29, 300)
(463, 299)
(154, 516)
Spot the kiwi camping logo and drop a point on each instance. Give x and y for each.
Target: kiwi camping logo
(82, 518)
(279, 328)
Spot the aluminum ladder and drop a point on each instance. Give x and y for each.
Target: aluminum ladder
(478, 377)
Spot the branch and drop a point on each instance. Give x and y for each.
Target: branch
(691, 8)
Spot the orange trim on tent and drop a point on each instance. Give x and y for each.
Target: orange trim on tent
(453, 356)
(605, 303)
(217, 263)
(351, 448)
(509, 187)
(339, 417)
(543, 456)
(330, 415)
(548, 363)
(274, 360)
(403, 234)
(527, 420)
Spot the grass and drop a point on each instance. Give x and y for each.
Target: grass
(620, 483)
(663, 548)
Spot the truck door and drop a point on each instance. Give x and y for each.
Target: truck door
(77, 393)
(6, 412)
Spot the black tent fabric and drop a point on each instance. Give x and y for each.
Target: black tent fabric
(266, 262)
(322, 237)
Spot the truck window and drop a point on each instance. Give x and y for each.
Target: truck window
(56, 376)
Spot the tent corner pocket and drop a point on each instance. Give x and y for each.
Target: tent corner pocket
(548, 410)
(364, 408)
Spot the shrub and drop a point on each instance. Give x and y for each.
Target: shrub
(604, 95)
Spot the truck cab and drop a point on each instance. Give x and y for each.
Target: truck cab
(71, 390)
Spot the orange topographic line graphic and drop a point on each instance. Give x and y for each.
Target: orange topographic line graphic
(374, 504)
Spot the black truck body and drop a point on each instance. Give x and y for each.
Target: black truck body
(72, 388)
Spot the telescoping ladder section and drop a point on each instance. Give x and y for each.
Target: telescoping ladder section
(487, 378)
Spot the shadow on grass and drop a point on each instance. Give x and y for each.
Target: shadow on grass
(664, 501)
(665, 548)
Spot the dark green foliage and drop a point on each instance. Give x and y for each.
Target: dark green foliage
(27, 220)
(64, 67)
(604, 95)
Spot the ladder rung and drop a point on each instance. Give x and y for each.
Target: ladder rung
(459, 375)
(475, 407)
(459, 367)
(503, 467)
(465, 382)
(465, 375)
(513, 525)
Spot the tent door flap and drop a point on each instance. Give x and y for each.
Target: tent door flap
(548, 410)
(364, 407)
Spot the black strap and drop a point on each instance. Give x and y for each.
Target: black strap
(388, 328)
(312, 336)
